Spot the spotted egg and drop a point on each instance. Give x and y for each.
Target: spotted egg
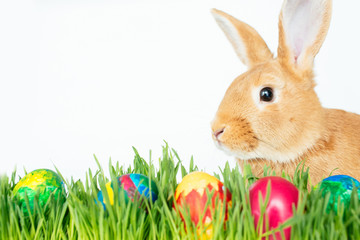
(43, 182)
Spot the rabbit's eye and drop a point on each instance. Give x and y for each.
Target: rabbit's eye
(266, 94)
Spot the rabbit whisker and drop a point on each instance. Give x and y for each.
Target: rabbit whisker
(267, 143)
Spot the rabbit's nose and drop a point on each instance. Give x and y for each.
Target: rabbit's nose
(218, 133)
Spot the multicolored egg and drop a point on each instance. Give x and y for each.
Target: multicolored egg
(283, 196)
(339, 186)
(42, 181)
(134, 185)
(191, 195)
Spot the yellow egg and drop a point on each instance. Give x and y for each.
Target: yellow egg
(191, 194)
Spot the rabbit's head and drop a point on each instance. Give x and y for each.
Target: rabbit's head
(272, 111)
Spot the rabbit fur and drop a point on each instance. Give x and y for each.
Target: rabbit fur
(293, 126)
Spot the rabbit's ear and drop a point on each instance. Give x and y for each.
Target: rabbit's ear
(303, 25)
(248, 45)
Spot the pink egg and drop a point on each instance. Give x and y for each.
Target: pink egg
(283, 196)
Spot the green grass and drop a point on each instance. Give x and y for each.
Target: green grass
(80, 217)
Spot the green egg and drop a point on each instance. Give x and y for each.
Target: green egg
(340, 188)
(43, 182)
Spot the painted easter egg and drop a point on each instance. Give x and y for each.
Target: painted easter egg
(191, 195)
(42, 181)
(339, 186)
(283, 196)
(134, 186)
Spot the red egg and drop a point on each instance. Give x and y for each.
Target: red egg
(283, 196)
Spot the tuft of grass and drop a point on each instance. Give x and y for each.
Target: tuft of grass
(83, 217)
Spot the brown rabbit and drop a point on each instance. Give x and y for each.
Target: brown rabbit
(271, 113)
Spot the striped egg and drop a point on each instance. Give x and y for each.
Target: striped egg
(134, 185)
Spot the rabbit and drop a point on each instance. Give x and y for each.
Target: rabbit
(271, 114)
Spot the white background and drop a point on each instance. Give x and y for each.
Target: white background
(79, 78)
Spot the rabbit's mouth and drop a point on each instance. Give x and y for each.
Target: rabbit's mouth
(242, 149)
(234, 136)
(243, 154)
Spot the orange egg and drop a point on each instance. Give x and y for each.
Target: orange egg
(191, 195)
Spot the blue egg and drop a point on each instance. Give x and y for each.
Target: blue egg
(339, 186)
